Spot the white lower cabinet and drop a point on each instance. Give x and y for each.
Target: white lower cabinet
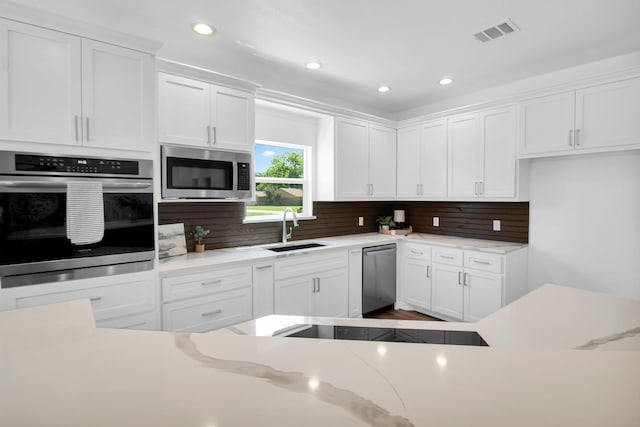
(262, 289)
(117, 301)
(355, 282)
(208, 299)
(312, 285)
(458, 284)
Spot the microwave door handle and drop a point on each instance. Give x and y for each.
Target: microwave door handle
(49, 184)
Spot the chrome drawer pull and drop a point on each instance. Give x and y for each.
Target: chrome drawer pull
(417, 252)
(465, 279)
(428, 271)
(213, 282)
(459, 277)
(446, 256)
(211, 313)
(482, 262)
(95, 299)
(264, 267)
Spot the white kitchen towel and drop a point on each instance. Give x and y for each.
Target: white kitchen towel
(85, 212)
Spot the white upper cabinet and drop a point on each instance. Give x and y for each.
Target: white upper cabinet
(365, 160)
(594, 119)
(422, 161)
(62, 89)
(382, 161)
(40, 89)
(464, 156)
(482, 155)
(117, 100)
(197, 113)
(607, 115)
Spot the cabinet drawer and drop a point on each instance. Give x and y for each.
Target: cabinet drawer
(205, 283)
(145, 321)
(417, 251)
(207, 313)
(107, 302)
(483, 261)
(302, 265)
(447, 256)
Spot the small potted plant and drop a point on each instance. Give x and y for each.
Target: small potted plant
(198, 233)
(385, 222)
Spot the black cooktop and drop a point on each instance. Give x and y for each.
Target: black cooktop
(425, 336)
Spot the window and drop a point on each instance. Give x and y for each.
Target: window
(282, 180)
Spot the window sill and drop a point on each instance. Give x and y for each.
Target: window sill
(256, 220)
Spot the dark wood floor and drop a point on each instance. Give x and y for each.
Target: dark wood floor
(390, 313)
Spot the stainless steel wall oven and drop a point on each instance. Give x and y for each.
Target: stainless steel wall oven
(41, 231)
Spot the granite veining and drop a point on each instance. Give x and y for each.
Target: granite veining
(298, 382)
(597, 342)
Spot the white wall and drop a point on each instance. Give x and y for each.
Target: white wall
(585, 223)
(283, 126)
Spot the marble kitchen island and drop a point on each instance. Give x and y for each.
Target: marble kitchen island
(56, 369)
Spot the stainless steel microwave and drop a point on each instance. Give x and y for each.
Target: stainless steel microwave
(203, 173)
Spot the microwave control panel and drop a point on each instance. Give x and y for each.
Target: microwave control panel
(244, 176)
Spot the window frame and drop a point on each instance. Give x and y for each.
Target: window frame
(306, 182)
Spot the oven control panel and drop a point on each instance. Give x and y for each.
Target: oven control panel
(74, 165)
(244, 176)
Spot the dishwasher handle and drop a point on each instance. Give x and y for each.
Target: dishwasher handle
(382, 250)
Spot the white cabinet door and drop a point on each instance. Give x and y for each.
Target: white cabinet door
(231, 118)
(183, 110)
(294, 296)
(416, 283)
(352, 159)
(498, 130)
(355, 283)
(447, 290)
(434, 159)
(331, 296)
(409, 163)
(482, 294)
(40, 88)
(607, 115)
(464, 149)
(382, 161)
(117, 97)
(262, 290)
(547, 123)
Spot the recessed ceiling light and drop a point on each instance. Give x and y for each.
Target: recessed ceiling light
(204, 29)
(383, 89)
(313, 65)
(446, 81)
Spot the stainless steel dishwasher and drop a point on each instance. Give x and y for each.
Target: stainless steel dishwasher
(378, 277)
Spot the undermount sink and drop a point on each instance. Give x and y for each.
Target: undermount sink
(287, 248)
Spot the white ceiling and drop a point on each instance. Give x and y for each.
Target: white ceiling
(406, 44)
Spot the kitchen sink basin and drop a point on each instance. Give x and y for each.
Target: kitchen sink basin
(287, 248)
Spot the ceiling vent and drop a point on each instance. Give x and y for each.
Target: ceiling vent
(504, 28)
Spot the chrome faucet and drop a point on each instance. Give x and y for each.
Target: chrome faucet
(286, 236)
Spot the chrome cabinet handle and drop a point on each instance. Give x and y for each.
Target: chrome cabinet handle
(318, 284)
(570, 137)
(356, 252)
(215, 135)
(446, 256)
(212, 282)
(465, 279)
(264, 267)
(75, 118)
(95, 299)
(481, 186)
(417, 252)
(314, 285)
(459, 277)
(209, 135)
(211, 313)
(482, 262)
(577, 137)
(476, 188)
(417, 189)
(88, 135)
(428, 271)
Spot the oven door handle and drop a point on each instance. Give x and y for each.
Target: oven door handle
(49, 184)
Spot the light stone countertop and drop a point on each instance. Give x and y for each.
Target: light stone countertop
(70, 375)
(261, 252)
